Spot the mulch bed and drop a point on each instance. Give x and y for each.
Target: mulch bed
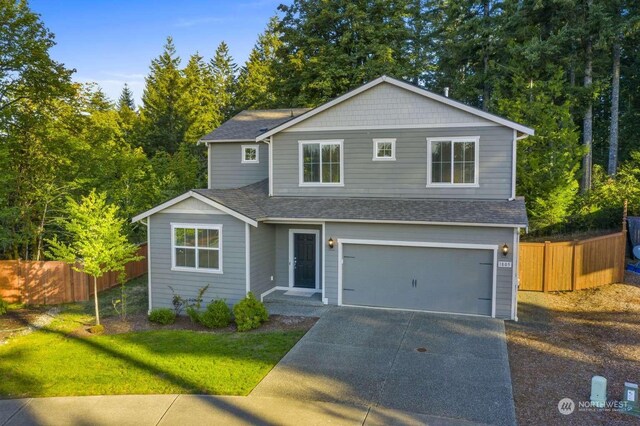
(139, 322)
(563, 339)
(21, 321)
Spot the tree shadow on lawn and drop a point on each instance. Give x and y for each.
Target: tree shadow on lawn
(109, 350)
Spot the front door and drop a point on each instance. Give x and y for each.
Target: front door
(304, 260)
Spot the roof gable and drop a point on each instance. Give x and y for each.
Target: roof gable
(398, 104)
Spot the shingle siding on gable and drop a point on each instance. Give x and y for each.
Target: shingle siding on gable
(404, 178)
(227, 171)
(387, 104)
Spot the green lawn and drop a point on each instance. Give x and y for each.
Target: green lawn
(53, 362)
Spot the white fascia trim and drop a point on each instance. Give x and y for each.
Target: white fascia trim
(515, 249)
(224, 141)
(492, 247)
(278, 220)
(243, 157)
(394, 127)
(406, 86)
(197, 197)
(315, 232)
(270, 143)
(148, 225)
(247, 256)
(476, 166)
(513, 164)
(209, 166)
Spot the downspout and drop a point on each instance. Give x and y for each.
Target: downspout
(270, 145)
(514, 155)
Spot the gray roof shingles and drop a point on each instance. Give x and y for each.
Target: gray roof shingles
(253, 201)
(248, 124)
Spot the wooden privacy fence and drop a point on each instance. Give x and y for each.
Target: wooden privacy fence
(573, 265)
(51, 282)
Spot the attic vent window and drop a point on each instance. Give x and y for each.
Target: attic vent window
(250, 154)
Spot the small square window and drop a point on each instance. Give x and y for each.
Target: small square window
(250, 154)
(384, 149)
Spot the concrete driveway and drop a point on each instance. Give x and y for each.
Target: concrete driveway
(450, 367)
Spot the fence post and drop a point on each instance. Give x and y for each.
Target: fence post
(545, 267)
(574, 267)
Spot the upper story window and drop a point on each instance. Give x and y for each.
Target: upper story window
(321, 163)
(196, 248)
(452, 161)
(384, 149)
(250, 154)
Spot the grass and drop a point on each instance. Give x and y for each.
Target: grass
(563, 339)
(54, 361)
(137, 301)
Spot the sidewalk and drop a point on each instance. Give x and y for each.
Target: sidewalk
(143, 410)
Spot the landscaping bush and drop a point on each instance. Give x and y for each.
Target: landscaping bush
(193, 314)
(3, 307)
(217, 315)
(250, 313)
(162, 316)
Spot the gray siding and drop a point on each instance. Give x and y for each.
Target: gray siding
(230, 285)
(282, 252)
(263, 258)
(437, 234)
(227, 171)
(405, 177)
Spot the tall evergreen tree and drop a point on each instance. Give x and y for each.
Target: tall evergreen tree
(163, 114)
(223, 83)
(202, 107)
(126, 99)
(329, 47)
(256, 82)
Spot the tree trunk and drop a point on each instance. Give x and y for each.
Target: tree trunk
(615, 101)
(95, 299)
(485, 59)
(587, 122)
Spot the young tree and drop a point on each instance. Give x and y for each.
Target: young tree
(96, 240)
(125, 101)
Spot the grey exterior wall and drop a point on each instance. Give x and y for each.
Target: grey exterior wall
(282, 252)
(226, 169)
(404, 177)
(230, 285)
(263, 258)
(437, 234)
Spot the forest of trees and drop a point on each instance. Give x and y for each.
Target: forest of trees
(568, 68)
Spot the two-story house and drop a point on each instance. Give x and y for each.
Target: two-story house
(389, 196)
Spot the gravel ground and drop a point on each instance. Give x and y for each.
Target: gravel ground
(563, 339)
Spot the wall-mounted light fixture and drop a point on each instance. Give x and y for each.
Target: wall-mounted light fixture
(505, 249)
(330, 242)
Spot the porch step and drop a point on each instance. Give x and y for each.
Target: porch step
(279, 297)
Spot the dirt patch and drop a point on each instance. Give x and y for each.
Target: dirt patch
(139, 322)
(22, 321)
(563, 339)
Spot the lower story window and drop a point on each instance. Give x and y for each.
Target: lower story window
(197, 247)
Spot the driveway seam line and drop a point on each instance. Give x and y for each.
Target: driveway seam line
(167, 410)
(393, 362)
(17, 411)
(366, 415)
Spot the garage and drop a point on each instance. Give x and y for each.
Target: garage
(419, 276)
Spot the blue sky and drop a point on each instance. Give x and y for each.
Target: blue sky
(113, 41)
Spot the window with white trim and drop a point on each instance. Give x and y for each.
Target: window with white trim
(250, 154)
(321, 163)
(452, 161)
(196, 247)
(384, 149)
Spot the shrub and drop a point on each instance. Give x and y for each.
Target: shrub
(162, 316)
(193, 314)
(217, 314)
(96, 329)
(250, 313)
(3, 307)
